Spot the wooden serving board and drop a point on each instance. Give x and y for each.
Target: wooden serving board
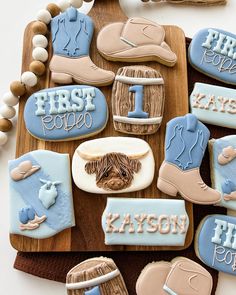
(88, 234)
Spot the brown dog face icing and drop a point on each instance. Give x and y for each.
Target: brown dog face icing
(113, 165)
(114, 171)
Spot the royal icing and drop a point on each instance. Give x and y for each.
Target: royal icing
(95, 276)
(42, 202)
(138, 103)
(213, 51)
(223, 165)
(216, 243)
(72, 33)
(147, 222)
(113, 165)
(136, 40)
(214, 104)
(180, 276)
(185, 144)
(66, 113)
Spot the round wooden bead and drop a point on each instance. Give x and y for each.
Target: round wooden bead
(40, 41)
(63, 4)
(10, 99)
(40, 54)
(76, 3)
(44, 16)
(29, 79)
(5, 125)
(53, 9)
(17, 88)
(39, 28)
(7, 112)
(3, 138)
(37, 67)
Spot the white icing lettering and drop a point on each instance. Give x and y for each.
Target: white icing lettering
(212, 35)
(222, 255)
(89, 94)
(64, 105)
(53, 108)
(77, 98)
(221, 226)
(41, 98)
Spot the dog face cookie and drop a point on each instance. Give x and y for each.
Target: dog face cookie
(113, 165)
(96, 276)
(215, 243)
(181, 276)
(214, 104)
(66, 113)
(137, 40)
(72, 33)
(40, 192)
(223, 165)
(213, 52)
(138, 99)
(145, 222)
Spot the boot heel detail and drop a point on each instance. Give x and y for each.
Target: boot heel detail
(61, 78)
(166, 187)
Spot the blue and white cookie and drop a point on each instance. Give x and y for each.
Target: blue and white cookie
(41, 198)
(66, 113)
(213, 52)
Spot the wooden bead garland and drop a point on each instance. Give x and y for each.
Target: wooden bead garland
(5, 125)
(36, 68)
(53, 9)
(17, 88)
(39, 28)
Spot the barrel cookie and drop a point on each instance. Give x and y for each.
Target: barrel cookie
(138, 99)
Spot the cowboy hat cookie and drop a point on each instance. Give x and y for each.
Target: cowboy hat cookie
(72, 33)
(213, 52)
(145, 222)
(113, 165)
(40, 194)
(185, 144)
(223, 165)
(215, 243)
(96, 276)
(137, 40)
(180, 276)
(138, 98)
(66, 113)
(214, 104)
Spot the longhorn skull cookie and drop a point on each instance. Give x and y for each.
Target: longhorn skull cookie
(137, 40)
(113, 165)
(72, 33)
(40, 194)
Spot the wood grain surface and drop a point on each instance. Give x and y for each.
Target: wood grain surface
(88, 234)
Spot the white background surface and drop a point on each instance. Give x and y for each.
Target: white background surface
(14, 17)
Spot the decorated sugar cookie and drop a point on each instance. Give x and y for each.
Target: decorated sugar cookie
(185, 144)
(40, 194)
(180, 276)
(72, 33)
(213, 52)
(215, 243)
(95, 276)
(223, 165)
(113, 165)
(145, 222)
(214, 104)
(138, 99)
(66, 113)
(137, 40)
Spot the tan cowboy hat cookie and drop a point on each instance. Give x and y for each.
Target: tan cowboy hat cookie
(137, 40)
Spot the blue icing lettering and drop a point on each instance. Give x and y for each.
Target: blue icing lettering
(213, 51)
(67, 112)
(57, 217)
(72, 33)
(186, 141)
(214, 104)
(216, 243)
(138, 111)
